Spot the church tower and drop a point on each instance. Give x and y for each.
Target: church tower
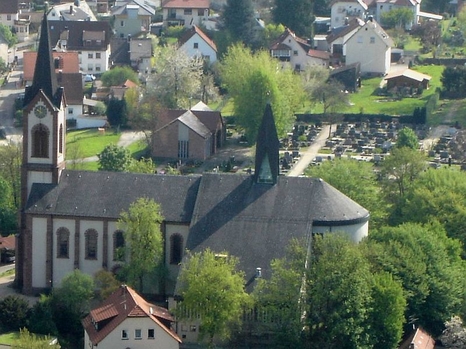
(44, 126)
(267, 150)
(44, 121)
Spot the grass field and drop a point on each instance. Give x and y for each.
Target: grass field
(86, 143)
(8, 338)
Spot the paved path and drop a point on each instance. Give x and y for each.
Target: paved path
(311, 152)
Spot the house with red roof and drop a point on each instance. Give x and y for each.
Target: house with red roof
(419, 339)
(126, 320)
(197, 44)
(185, 12)
(297, 52)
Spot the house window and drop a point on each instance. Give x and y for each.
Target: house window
(70, 110)
(90, 67)
(150, 333)
(118, 246)
(98, 55)
(8, 17)
(122, 23)
(97, 67)
(297, 67)
(63, 241)
(90, 244)
(124, 334)
(188, 11)
(137, 334)
(196, 45)
(359, 38)
(90, 55)
(295, 53)
(200, 12)
(60, 139)
(372, 40)
(176, 248)
(183, 149)
(40, 141)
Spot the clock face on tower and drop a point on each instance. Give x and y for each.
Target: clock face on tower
(40, 111)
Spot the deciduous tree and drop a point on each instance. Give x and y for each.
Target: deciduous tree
(407, 138)
(398, 17)
(118, 75)
(213, 288)
(32, 341)
(143, 240)
(114, 158)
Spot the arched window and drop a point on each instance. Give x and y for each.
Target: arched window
(90, 244)
(40, 141)
(63, 243)
(176, 248)
(118, 246)
(60, 140)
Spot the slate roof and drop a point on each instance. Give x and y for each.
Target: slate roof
(340, 32)
(9, 6)
(73, 85)
(143, 9)
(122, 304)
(185, 4)
(210, 118)
(378, 30)
(255, 222)
(191, 121)
(75, 30)
(106, 194)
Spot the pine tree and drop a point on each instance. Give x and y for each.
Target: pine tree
(295, 14)
(239, 20)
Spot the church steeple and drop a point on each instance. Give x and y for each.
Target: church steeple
(267, 150)
(45, 78)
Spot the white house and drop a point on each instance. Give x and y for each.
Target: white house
(337, 38)
(371, 46)
(343, 11)
(383, 6)
(71, 11)
(197, 44)
(140, 54)
(185, 12)
(11, 15)
(132, 17)
(297, 52)
(126, 320)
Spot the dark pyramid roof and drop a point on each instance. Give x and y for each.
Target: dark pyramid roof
(44, 73)
(267, 146)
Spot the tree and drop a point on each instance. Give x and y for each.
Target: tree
(8, 35)
(143, 239)
(454, 335)
(106, 283)
(429, 33)
(32, 341)
(454, 79)
(239, 19)
(213, 288)
(116, 112)
(271, 33)
(114, 158)
(295, 14)
(41, 320)
(15, 311)
(339, 294)
(398, 17)
(253, 80)
(407, 138)
(142, 166)
(356, 180)
(177, 77)
(118, 75)
(429, 266)
(10, 169)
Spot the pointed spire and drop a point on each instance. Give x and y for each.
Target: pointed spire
(45, 78)
(267, 150)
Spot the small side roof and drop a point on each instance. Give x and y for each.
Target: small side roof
(411, 74)
(186, 4)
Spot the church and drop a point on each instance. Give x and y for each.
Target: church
(69, 218)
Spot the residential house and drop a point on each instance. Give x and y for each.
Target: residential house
(126, 320)
(408, 78)
(7, 248)
(297, 52)
(66, 66)
(379, 7)
(12, 16)
(99, 6)
(91, 39)
(343, 11)
(71, 11)
(131, 18)
(69, 219)
(140, 54)
(337, 38)
(371, 46)
(189, 134)
(197, 44)
(185, 12)
(419, 339)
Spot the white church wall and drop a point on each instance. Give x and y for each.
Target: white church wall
(62, 266)
(90, 266)
(39, 257)
(112, 228)
(356, 231)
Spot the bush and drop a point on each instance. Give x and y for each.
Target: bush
(175, 31)
(15, 311)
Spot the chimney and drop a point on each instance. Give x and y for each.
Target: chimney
(71, 9)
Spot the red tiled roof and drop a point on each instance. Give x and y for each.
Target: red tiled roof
(70, 63)
(196, 30)
(8, 242)
(185, 4)
(279, 41)
(319, 54)
(120, 305)
(420, 339)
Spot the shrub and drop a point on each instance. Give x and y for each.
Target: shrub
(15, 311)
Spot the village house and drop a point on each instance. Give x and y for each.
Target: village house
(12, 16)
(197, 44)
(343, 11)
(71, 11)
(131, 17)
(185, 12)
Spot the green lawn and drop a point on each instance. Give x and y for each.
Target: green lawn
(86, 143)
(8, 338)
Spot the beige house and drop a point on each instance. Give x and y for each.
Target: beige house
(126, 320)
(371, 46)
(185, 12)
(343, 11)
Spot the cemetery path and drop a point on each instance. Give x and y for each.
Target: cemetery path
(310, 153)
